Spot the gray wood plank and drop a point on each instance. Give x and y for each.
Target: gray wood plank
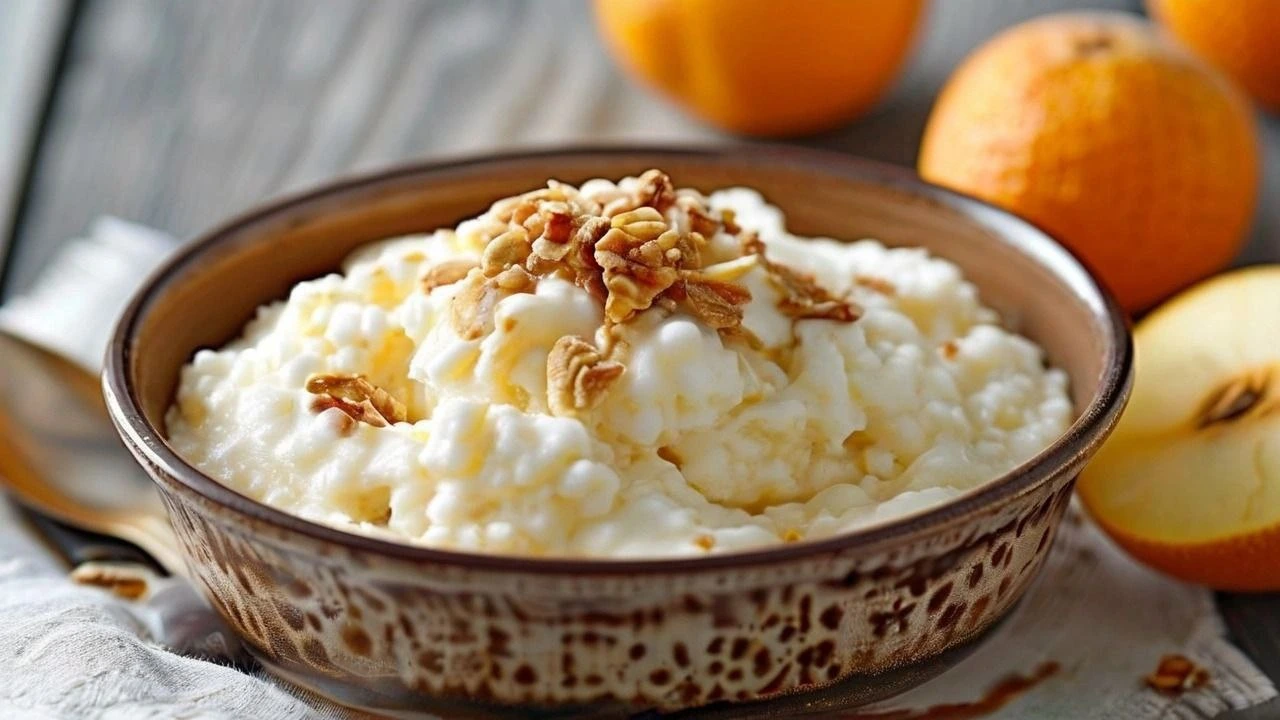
(30, 36)
(177, 115)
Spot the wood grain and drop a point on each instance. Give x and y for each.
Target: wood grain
(178, 114)
(31, 38)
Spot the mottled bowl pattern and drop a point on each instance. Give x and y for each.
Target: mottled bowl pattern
(409, 630)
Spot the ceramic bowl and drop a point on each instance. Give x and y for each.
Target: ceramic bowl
(825, 623)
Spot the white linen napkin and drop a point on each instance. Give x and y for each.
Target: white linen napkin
(1099, 621)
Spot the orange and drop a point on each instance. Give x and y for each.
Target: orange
(763, 67)
(1189, 482)
(1128, 149)
(1239, 37)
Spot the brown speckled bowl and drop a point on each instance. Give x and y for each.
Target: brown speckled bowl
(812, 625)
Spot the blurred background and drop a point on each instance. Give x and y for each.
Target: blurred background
(178, 114)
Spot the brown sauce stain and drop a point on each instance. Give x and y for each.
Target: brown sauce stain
(1000, 695)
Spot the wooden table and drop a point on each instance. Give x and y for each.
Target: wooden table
(177, 114)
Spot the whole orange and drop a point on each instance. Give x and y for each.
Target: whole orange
(1240, 37)
(1132, 152)
(763, 67)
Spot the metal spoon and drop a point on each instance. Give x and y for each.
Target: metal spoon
(60, 456)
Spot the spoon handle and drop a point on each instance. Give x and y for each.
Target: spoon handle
(78, 546)
(60, 455)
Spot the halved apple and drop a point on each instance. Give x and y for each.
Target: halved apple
(1189, 483)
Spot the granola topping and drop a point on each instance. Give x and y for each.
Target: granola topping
(633, 252)
(622, 369)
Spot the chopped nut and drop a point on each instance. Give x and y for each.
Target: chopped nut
(717, 304)
(515, 279)
(345, 419)
(619, 205)
(518, 209)
(591, 230)
(629, 293)
(634, 272)
(1177, 674)
(644, 223)
(622, 248)
(807, 300)
(546, 256)
(802, 297)
(578, 376)
(471, 309)
(127, 581)
(700, 222)
(656, 190)
(509, 248)
(445, 273)
(617, 242)
(557, 224)
(360, 399)
(574, 258)
(691, 247)
(727, 218)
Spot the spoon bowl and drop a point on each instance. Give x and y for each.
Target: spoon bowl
(60, 456)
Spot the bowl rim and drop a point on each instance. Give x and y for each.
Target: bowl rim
(1089, 427)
